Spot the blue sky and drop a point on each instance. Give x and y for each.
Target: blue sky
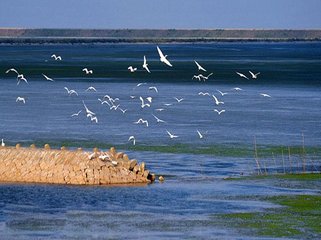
(184, 14)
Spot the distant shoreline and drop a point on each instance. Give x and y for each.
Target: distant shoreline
(75, 36)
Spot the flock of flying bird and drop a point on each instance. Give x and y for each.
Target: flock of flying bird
(113, 103)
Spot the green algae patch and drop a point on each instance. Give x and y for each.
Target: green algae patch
(299, 216)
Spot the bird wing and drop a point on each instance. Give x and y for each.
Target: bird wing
(199, 134)
(147, 69)
(145, 62)
(199, 66)
(252, 74)
(161, 55)
(167, 62)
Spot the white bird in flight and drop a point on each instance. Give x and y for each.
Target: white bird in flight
(197, 77)
(237, 89)
(47, 78)
(163, 58)
(205, 77)
(140, 84)
(132, 138)
(76, 114)
(132, 69)
(145, 65)
(70, 92)
(178, 99)
(21, 77)
(88, 112)
(254, 75)
(91, 88)
(21, 99)
(217, 102)
(122, 110)
(158, 120)
(171, 135)
(12, 70)
(204, 93)
(242, 75)
(265, 95)
(222, 93)
(200, 68)
(2, 143)
(143, 103)
(56, 57)
(142, 121)
(104, 102)
(199, 134)
(219, 112)
(153, 88)
(87, 71)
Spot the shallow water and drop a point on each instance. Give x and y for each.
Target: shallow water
(194, 190)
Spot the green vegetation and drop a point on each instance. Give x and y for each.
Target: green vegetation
(300, 216)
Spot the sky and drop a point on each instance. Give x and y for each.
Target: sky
(161, 14)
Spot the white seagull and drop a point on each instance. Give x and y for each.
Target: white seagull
(142, 121)
(47, 78)
(265, 95)
(178, 100)
(20, 77)
(219, 112)
(158, 120)
(143, 103)
(254, 75)
(153, 88)
(205, 77)
(21, 99)
(204, 93)
(12, 70)
(103, 102)
(197, 77)
(199, 134)
(140, 84)
(217, 102)
(132, 138)
(56, 57)
(70, 92)
(149, 99)
(88, 112)
(2, 143)
(242, 75)
(122, 110)
(222, 93)
(171, 135)
(91, 88)
(76, 114)
(145, 65)
(199, 67)
(132, 69)
(163, 57)
(87, 71)
(237, 89)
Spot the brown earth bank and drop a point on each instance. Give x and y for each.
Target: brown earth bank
(45, 165)
(21, 35)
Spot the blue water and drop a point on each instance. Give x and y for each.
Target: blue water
(194, 190)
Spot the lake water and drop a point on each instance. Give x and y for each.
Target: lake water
(194, 190)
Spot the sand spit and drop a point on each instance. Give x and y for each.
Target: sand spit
(45, 165)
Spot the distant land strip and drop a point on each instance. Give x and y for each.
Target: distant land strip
(20, 35)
